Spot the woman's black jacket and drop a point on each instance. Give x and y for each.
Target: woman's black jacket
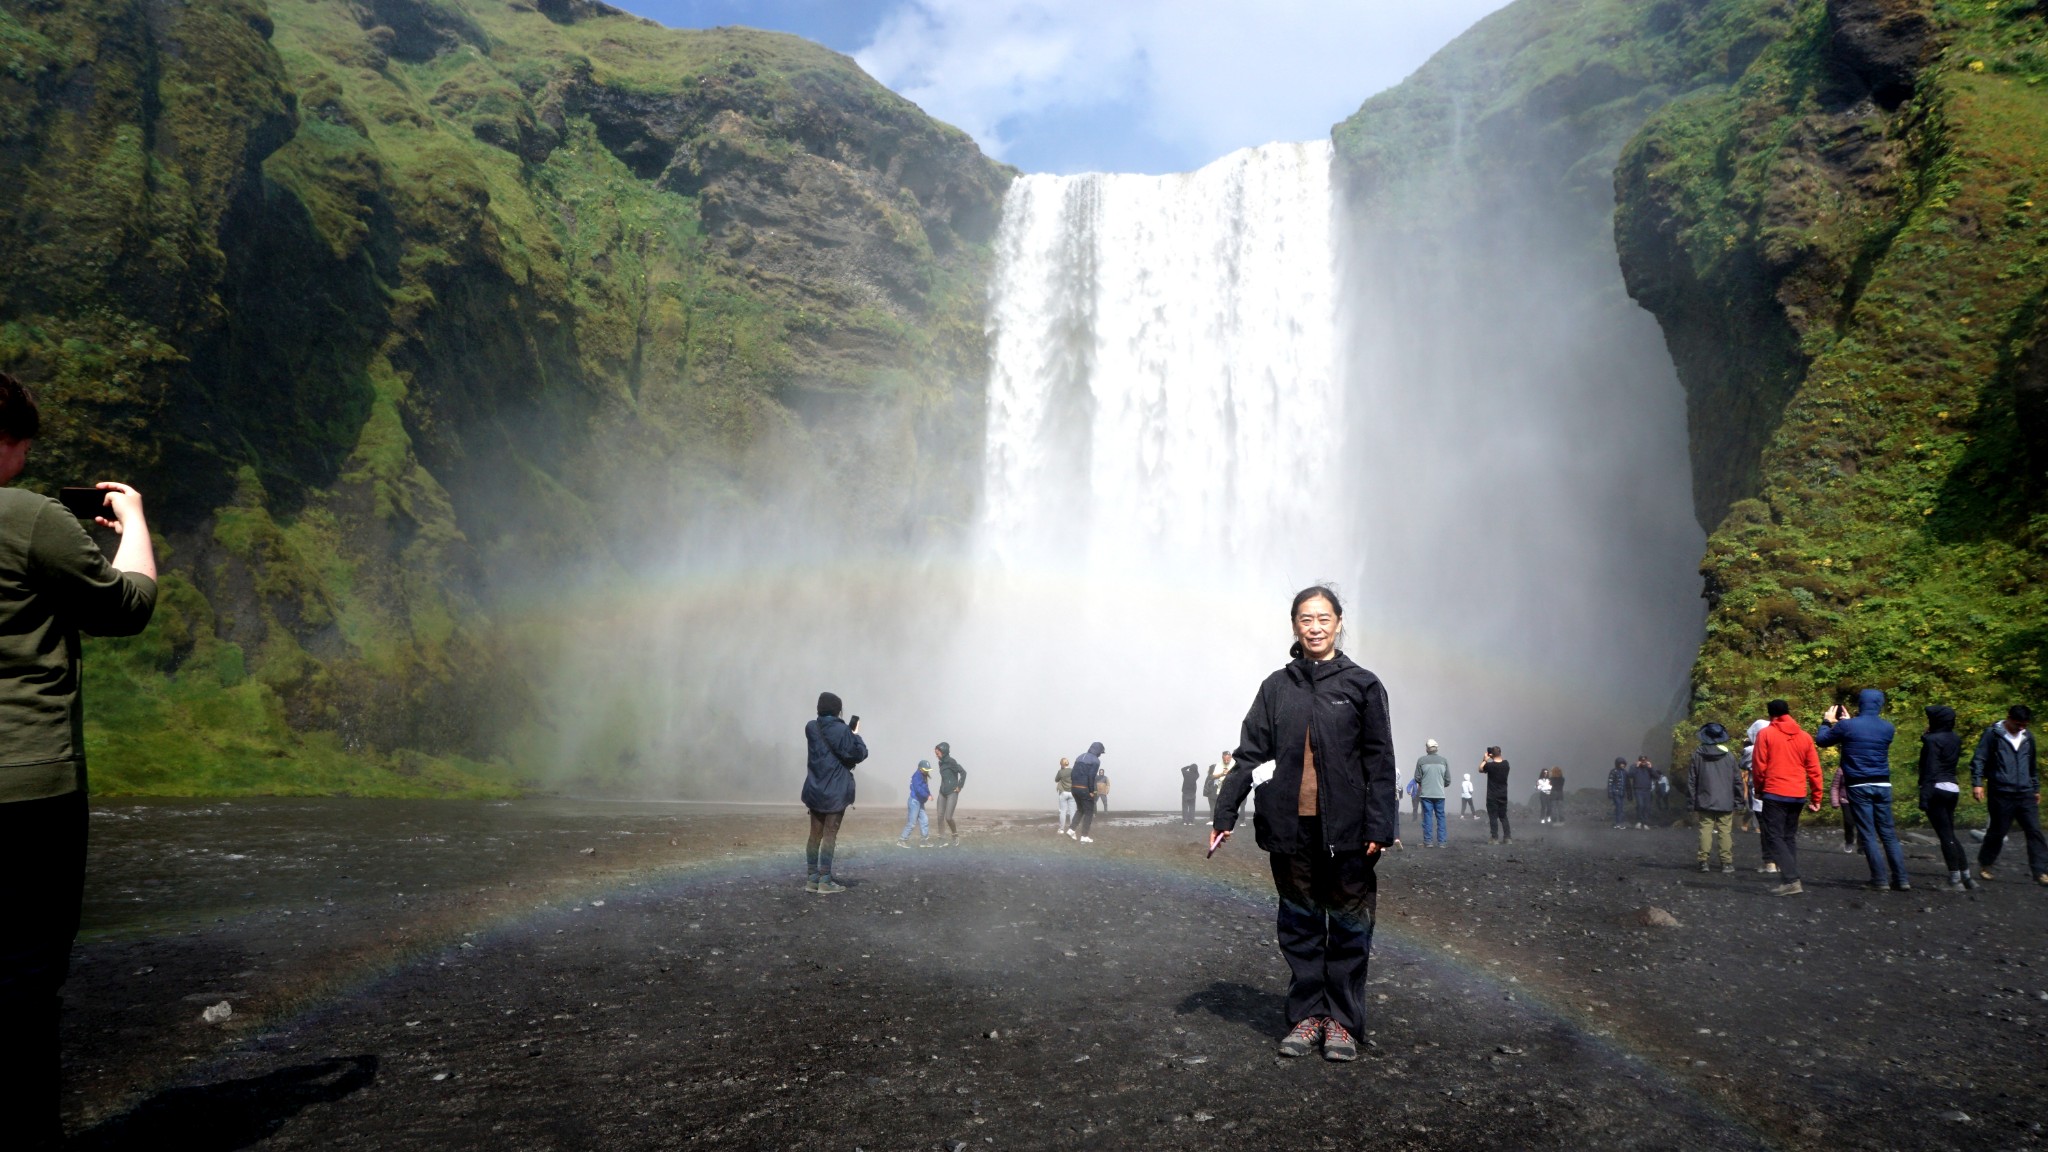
(1343, 708)
(1940, 749)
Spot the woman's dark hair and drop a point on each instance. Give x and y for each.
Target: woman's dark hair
(20, 419)
(1307, 594)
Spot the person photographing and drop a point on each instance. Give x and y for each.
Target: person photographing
(1323, 819)
(55, 586)
(832, 749)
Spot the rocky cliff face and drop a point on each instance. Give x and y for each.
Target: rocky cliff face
(396, 310)
(1846, 253)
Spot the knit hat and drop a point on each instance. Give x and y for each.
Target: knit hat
(828, 704)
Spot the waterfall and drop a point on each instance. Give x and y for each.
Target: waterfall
(1165, 401)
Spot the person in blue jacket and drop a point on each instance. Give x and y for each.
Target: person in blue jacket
(1865, 742)
(1086, 775)
(920, 791)
(834, 748)
(1617, 790)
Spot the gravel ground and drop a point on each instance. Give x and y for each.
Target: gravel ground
(561, 976)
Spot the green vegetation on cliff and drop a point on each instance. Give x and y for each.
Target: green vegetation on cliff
(385, 304)
(1848, 257)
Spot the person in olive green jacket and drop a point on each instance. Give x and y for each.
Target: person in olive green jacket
(54, 584)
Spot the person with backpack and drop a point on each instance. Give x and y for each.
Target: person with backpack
(1865, 740)
(920, 791)
(1713, 780)
(1087, 772)
(2004, 774)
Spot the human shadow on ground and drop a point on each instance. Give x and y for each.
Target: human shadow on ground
(231, 1114)
(1255, 1008)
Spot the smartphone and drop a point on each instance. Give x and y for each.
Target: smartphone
(85, 503)
(855, 725)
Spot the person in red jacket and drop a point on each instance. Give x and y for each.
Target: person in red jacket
(1788, 776)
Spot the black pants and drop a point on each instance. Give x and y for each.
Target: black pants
(1497, 819)
(1187, 808)
(1781, 836)
(1327, 906)
(2008, 808)
(1940, 808)
(1084, 811)
(824, 835)
(947, 803)
(42, 855)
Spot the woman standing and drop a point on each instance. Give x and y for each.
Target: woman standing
(834, 748)
(1323, 819)
(1940, 749)
(1063, 784)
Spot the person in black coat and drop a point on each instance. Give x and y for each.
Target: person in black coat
(1190, 778)
(1323, 819)
(834, 749)
(1086, 775)
(1940, 750)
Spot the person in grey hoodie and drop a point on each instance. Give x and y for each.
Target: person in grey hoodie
(1711, 779)
(2005, 768)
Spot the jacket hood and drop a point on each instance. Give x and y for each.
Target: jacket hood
(1870, 702)
(1621, 762)
(1785, 724)
(945, 749)
(1712, 751)
(1941, 718)
(1096, 748)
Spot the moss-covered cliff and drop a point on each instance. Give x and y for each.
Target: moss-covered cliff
(1846, 252)
(392, 308)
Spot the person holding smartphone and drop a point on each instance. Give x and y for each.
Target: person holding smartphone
(55, 585)
(835, 747)
(1323, 819)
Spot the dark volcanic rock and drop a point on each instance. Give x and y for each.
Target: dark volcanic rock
(1881, 45)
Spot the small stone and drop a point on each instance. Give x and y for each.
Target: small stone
(588, 851)
(994, 1034)
(1650, 916)
(217, 1013)
(1956, 1117)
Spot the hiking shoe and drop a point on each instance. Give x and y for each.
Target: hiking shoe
(1955, 882)
(1302, 1040)
(811, 884)
(1337, 1042)
(1704, 867)
(1789, 888)
(1728, 866)
(1902, 885)
(827, 886)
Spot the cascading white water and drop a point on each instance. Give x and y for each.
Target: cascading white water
(1165, 435)
(1165, 401)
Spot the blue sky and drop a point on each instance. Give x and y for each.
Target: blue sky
(1116, 85)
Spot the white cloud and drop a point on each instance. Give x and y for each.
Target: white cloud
(1190, 79)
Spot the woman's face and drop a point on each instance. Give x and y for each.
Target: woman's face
(1316, 626)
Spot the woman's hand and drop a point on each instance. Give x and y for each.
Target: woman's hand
(1373, 848)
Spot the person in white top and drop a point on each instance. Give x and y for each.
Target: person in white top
(1465, 798)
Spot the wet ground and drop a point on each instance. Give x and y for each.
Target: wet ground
(555, 975)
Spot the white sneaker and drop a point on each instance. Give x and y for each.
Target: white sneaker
(1087, 839)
